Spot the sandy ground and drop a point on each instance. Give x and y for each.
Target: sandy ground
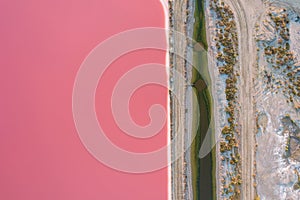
(247, 115)
(178, 44)
(275, 173)
(181, 182)
(251, 99)
(181, 175)
(190, 100)
(245, 22)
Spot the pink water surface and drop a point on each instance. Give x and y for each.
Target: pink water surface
(43, 44)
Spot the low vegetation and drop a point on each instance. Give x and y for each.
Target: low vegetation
(281, 74)
(227, 57)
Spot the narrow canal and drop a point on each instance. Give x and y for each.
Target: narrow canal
(203, 170)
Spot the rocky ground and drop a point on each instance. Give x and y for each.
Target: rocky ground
(277, 100)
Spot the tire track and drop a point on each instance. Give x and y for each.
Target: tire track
(246, 101)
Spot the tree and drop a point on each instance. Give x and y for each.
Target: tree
(226, 130)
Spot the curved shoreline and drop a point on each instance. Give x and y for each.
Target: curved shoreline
(164, 4)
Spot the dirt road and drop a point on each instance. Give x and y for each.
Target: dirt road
(247, 115)
(178, 43)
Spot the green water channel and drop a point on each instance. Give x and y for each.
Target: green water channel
(203, 170)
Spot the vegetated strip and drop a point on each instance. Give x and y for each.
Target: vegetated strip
(227, 59)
